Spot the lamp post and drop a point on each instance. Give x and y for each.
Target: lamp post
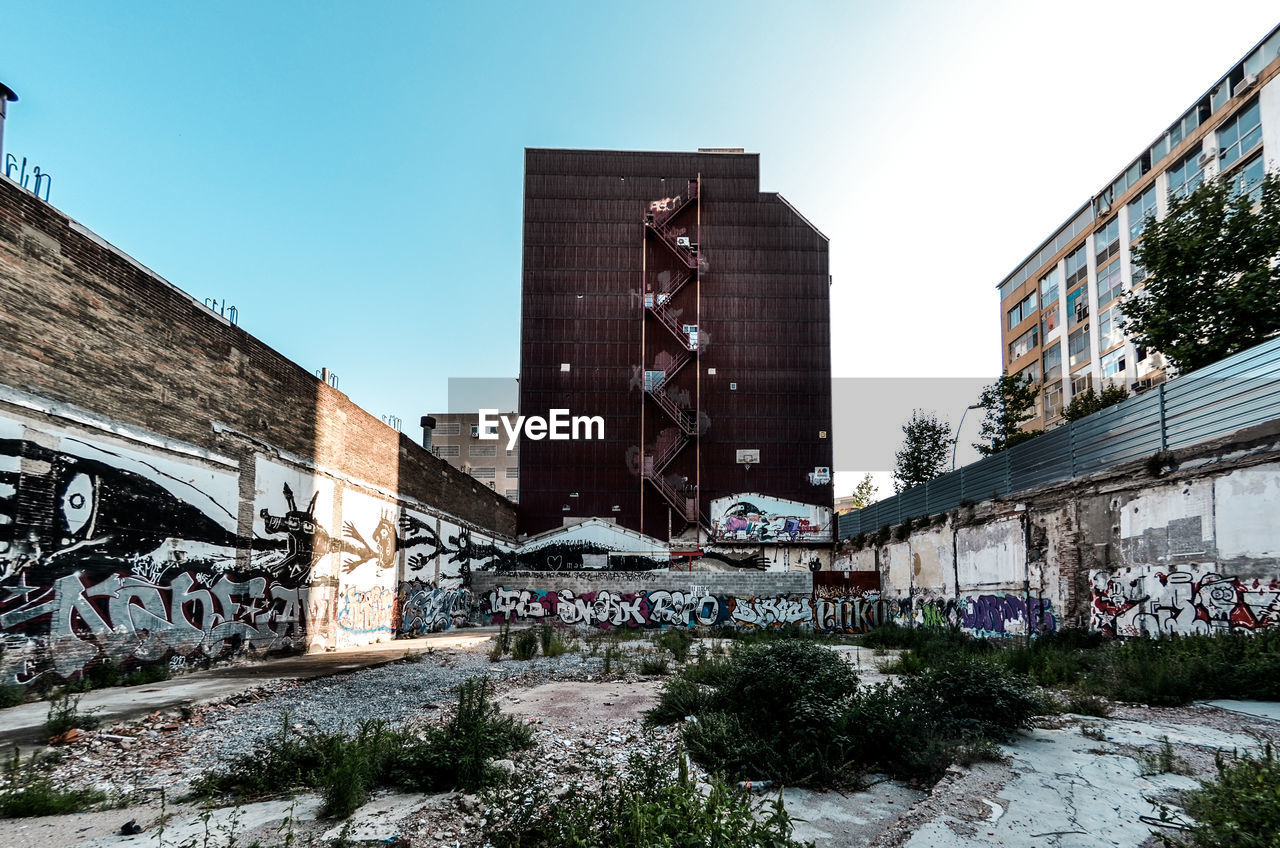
(955, 443)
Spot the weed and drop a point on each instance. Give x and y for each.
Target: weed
(903, 531)
(980, 750)
(1096, 732)
(653, 802)
(1163, 760)
(29, 792)
(495, 652)
(525, 646)
(904, 663)
(504, 637)
(410, 658)
(651, 666)
(64, 714)
(677, 640)
(552, 645)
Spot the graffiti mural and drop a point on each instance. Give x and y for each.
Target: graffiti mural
(113, 552)
(1150, 600)
(752, 517)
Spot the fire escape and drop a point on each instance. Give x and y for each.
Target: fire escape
(667, 224)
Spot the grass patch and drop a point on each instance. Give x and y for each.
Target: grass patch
(347, 768)
(652, 666)
(1163, 760)
(655, 802)
(677, 640)
(29, 792)
(107, 674)
(525, 644)
(11, 695)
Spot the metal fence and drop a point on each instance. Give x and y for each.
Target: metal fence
(1240, 391)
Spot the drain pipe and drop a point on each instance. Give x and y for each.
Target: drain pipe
(6, 95)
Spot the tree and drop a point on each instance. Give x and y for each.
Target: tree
(1010, 402)
(925, 449)
(864, 494)
(1214, 286)
(1089, 401)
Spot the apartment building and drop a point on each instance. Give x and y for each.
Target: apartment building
(456, 438)
(1059, 310)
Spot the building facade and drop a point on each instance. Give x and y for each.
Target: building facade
(456, 438)
(667, 294)
(1060, 316)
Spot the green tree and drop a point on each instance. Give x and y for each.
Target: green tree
(1010, 402)
(1089, 401)
(864, 494)
(926, 447)
(1214, 287)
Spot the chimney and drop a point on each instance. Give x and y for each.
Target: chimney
(6, 94)
(428, 425)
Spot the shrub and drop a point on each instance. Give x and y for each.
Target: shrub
(11, 695)
(525, 646)
(1238, 808)
(651, 666)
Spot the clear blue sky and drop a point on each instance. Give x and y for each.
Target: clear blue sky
(349, 175)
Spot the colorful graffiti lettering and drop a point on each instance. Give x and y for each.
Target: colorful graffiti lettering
(1152, 600)
(1006, 615)
(423, 608)
(366, 611)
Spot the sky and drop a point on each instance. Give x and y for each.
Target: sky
(350, 175)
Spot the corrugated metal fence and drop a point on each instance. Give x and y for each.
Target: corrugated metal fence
(1240, 391)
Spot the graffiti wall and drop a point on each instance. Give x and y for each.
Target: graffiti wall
(1150, 600)
(114, 551)
(752, 517)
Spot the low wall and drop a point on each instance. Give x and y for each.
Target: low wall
(1186, 544)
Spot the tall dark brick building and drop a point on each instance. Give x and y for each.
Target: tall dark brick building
(668, 294)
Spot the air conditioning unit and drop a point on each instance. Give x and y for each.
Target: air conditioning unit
(682, 241)
(1210, 155)
(1248, 82)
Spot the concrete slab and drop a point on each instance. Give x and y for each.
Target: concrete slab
(376, 820)
(838, 820)
(226, 825)
(1257, 709)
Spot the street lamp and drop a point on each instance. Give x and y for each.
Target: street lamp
(955, 442)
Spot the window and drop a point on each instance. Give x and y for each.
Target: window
(1109, 287)
(1081, 383)
(1053, 401)
(1106, 241)
(451, 429)
(1141, 210)
(484, 472)
(1049, 288)
(513, 473)
(1022, 311)
(475, 431)
(511, 453)
(1050, 322)
(444, 450)
(652, 379)
(1053, 362)
(1024, 343)
(1186, 176)
(1240, 135)
(1109, 321)
(1030, 374)
(1248, 179)
(1077, 267)
(1112, 363)
(482, 450)
(510, 494)
(1078, 347)
(1140, 274)
(1078, 305)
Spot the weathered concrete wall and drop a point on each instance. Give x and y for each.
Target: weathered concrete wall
(171, 488)
(1192, 546)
